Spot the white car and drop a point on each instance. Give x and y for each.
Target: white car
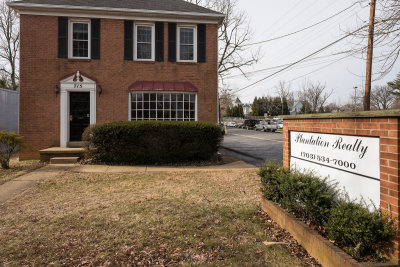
(231, 124)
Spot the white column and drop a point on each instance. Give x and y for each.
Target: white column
(64, 119)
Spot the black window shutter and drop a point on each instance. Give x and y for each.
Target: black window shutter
(62, 37)
(160, 41)
(172, 42)
(95, 39)
(128, 40)
(201, 43)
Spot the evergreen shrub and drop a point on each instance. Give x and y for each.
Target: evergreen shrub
(363, 233)
(152, 142)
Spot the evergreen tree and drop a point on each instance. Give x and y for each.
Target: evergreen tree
(255, 109)
(395, 85)
(286, 110)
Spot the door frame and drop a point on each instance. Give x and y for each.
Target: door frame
(74, 83)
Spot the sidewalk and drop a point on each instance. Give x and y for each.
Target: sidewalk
(15, 187)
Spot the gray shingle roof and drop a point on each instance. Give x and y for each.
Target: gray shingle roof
(151, 5)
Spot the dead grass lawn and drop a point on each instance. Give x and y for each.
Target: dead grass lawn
(18, 168)
(183, 218)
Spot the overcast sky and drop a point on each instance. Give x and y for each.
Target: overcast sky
(271, 19)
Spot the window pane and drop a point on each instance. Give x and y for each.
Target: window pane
(133, 105)
(180, 105)
(167, 105)
(153, 105)
(80, 49)
(160, 114)
(144, 51)
(179, 97)
(186, 52)
(133, 97)
(187, 36)
(166, 114)
(192, 106)
(140, 114)
(173, 105)
(153, 97)
(160, 105)
(192, 115)
(153, 114)
(180, 115)
(146, 114)
(133, 115)
(167, 97)
(186, 106)
(173, 97)
(146, 97)
(173, 114)
(139, 97)
(80, 31)
(144, 34)
(186, 97)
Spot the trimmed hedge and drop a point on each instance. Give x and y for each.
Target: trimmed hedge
(152, 142)
(362, 233)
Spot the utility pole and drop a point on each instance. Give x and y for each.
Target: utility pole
(370, 53)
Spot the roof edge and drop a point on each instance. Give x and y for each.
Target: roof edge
(17, 5)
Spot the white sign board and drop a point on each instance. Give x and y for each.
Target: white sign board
(351, 161)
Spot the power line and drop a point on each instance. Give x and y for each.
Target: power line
(303, 29)
(284, 65)
(304, 58)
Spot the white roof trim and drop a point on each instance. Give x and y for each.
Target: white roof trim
(17, 6)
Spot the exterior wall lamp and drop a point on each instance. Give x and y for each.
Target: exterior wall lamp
(56, 89)
(99, 89)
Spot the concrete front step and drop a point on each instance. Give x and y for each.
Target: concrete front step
(64, 160)
(59, 152)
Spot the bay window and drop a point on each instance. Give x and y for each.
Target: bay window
(173, 106)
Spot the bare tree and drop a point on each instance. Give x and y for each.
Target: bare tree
(314, 95)
(234, 35)
(226, 99)
(386, 36)
(382, 97)
(356, 99)
(284, 91)
(9, 43)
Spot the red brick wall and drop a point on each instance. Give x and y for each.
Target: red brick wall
(385, 128)
(41, 70)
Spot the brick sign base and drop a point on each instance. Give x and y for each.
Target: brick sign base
(385, 125)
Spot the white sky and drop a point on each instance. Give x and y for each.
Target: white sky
(271, 19)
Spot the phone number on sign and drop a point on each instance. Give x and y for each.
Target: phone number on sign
(323, 159)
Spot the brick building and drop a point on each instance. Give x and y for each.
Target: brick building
(86, 62)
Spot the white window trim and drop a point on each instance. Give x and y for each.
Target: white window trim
(153, 41)
(165, 92)
(70, 39)
(178, 52)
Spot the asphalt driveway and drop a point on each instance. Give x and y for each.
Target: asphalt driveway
(252, 146)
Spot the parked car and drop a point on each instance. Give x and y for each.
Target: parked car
(239, 125)
(279, 123)
(231, 124)
(249, 124)
(266, 126)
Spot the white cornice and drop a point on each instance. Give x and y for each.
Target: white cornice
(116, 13)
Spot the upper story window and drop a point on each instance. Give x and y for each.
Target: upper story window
(144, 42)
(80, 39)
(187, 40)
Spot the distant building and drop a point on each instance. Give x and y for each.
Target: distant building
(296, 109)
(9, 110)
(246, 109)
(238, 102)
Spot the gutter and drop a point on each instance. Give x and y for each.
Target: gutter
(27, 6)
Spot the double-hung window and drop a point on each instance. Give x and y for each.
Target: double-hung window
(187, 40)
(145, 42)
(79, 39)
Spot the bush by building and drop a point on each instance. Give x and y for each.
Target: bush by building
(10, 143)
(152, 142)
